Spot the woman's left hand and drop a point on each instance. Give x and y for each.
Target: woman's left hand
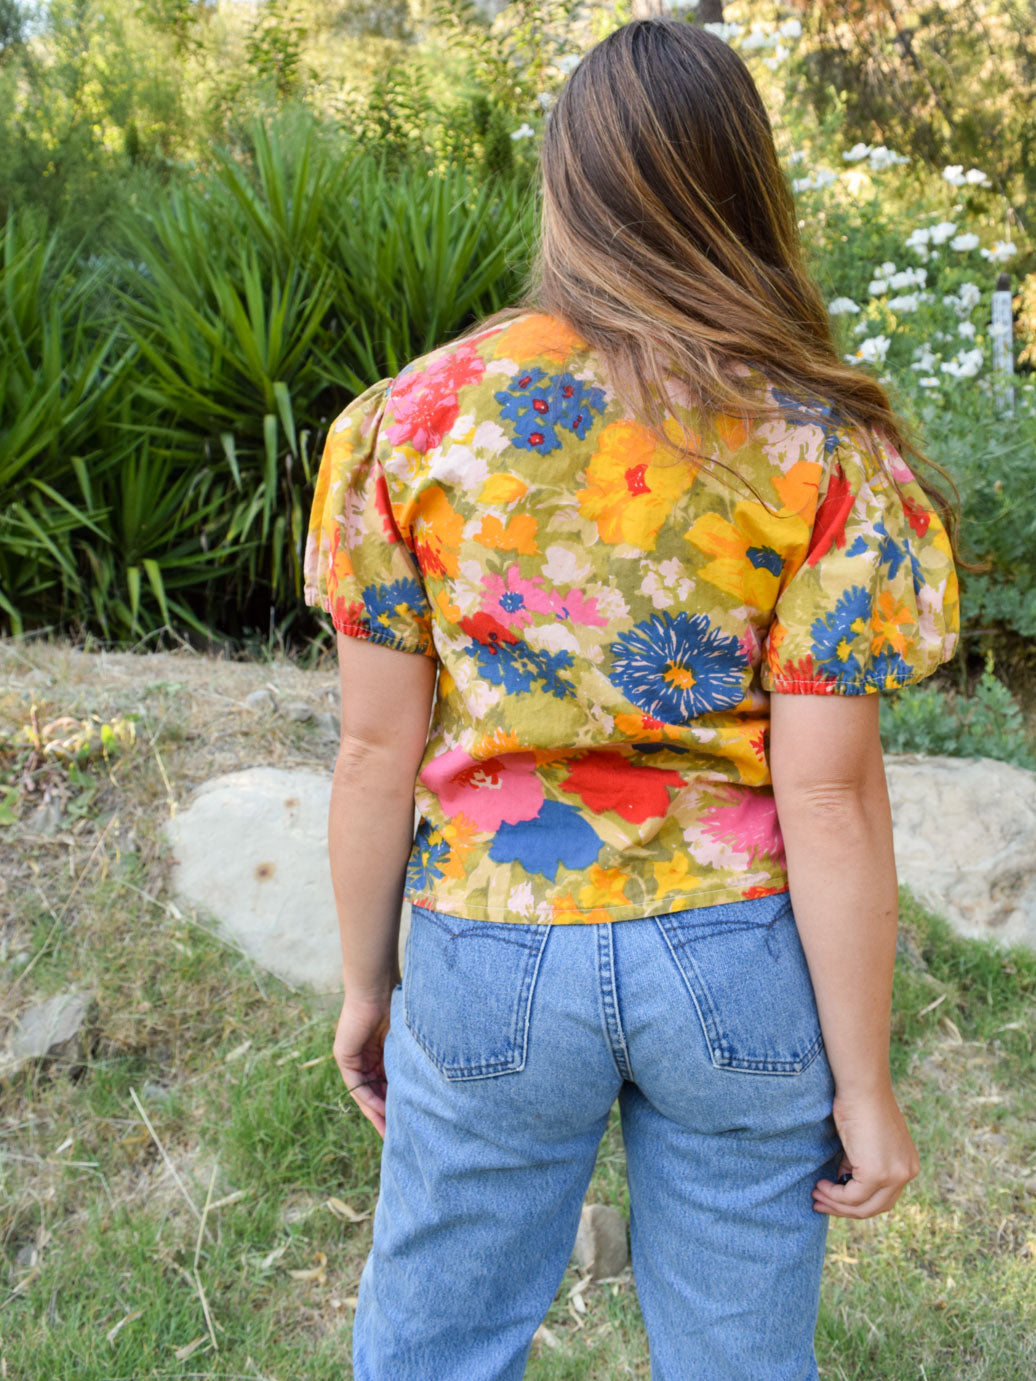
(359, 1053)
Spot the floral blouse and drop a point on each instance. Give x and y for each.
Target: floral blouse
(609, 621)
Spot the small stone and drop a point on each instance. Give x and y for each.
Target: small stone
(45, 819)
(261, 699)
(601, 1241)
(54, 1029)
(297, 710)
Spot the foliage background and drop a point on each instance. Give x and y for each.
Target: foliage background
(222, 218)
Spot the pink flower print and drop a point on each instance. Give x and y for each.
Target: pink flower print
(749, 824)
(579, 609)
(513, 600)
(423, 403)
(490, 791)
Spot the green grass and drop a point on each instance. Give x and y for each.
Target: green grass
(235, 1074)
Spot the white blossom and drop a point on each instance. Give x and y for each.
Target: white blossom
(724, 31)
(939, 234)
(840, 306)
(1000, 253)
(954, 174)
(861, 328)
(963, 366)
(791, 28)
(545, 99)
(907, 303)
(925, 358)
(823, 177)
(569, 62)
(963, 242)
(908, 278)
(758, 38)
(881, 157)
(886, 269)
(966, 329)
(929, 382)
(877, 286)
(918, 239)
(872, 350)
(524, 132)
(857, 152)
(976, 177)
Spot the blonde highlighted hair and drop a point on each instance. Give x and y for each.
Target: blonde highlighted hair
(669, 243)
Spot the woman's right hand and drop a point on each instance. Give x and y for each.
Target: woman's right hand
(878, 1152)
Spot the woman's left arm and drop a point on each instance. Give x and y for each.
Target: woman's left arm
(386, 707)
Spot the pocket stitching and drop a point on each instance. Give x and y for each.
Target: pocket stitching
(710, 1024)
(513, 1062)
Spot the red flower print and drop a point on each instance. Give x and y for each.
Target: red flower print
(829, 527)
(487, 630)
(917, 515)
(384, 507)
(424, 403)
(609, 781)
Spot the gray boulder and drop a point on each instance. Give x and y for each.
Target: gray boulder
(965, 839)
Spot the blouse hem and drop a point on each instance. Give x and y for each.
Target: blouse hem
(666, 906)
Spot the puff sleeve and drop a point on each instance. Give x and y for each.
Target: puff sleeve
(357, 566)
(872, 604)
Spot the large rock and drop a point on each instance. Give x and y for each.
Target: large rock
(251, 850)
(965, 835)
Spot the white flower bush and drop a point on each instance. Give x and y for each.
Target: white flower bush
(842, 306)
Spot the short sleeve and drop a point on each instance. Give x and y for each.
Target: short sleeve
(873, 603)
(357, 566)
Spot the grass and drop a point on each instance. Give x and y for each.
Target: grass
(224, 1235)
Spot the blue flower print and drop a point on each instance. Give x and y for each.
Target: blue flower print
(889, 550)
(890, 670)
(557, 835)
(677, 668)
(428, 851)
(539, 403)
(834, 635)
(858, 548)
(518, 667)
(402, 599)
(765, 559)
(813, 414)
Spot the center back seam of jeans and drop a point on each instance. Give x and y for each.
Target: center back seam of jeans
(609, 999)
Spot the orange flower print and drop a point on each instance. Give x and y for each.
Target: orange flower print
(536, 336)
(628, 495)
(519, 535)
(887, 621)
(437, 532)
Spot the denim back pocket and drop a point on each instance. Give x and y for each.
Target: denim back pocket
(745, 968)
(467, 991)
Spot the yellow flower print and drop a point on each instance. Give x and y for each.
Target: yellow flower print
(496, 744)
(674, 875)
(887, 621)
(605, 888)
(502, 489)
(628, 494)
(744, 567)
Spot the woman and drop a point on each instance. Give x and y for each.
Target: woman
(660, 546)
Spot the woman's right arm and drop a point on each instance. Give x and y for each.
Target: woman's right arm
(833, 807)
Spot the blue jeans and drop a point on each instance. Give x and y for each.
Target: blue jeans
(508, 1046)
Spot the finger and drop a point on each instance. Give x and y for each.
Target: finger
(372, 1106)
(879, 1202)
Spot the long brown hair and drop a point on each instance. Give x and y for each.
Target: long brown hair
(669, 242)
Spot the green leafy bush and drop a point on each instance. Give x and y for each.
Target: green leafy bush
(987, 724)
